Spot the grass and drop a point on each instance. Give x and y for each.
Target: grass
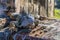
(57, 13)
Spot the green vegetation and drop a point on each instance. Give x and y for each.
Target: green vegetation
(57, 13)
(59, 0)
